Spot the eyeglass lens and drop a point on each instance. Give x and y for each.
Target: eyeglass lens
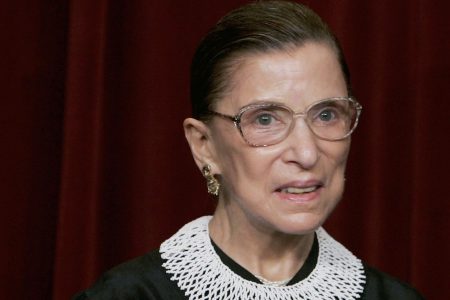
(268, 124)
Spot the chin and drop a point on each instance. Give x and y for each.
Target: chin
(300, 225)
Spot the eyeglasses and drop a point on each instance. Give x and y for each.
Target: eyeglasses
(265, 124)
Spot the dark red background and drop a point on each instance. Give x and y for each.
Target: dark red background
(95, 169)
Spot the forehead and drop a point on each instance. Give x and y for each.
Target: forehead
(294, 77)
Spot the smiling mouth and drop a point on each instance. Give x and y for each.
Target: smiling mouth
(297, 190)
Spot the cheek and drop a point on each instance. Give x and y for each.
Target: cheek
(245, 167)
(227, 155)
(335, 162)
(336, 153)
(242, 167)
(344, 156)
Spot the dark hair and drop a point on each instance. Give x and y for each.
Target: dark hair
(254, 28)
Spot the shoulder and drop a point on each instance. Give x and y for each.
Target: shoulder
(383, 286)
(140, 278)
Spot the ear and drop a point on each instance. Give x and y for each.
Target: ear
(198, 136)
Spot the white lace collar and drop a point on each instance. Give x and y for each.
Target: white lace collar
(200, 273)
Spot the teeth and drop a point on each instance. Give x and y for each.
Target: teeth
(294, 190)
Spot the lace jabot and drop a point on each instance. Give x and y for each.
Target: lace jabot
(194, 265)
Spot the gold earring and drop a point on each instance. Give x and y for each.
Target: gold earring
(211, 182)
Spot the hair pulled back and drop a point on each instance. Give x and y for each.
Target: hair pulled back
(255, 28)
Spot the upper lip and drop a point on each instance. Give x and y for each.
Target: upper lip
(301, 184)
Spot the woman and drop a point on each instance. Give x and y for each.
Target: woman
(273, 115)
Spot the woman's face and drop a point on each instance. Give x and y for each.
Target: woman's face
(291, 186)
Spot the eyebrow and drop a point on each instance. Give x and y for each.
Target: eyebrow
(268, 101)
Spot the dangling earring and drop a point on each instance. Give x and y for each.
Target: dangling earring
(211, 182)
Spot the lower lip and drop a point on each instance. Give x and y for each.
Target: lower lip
(300, 198)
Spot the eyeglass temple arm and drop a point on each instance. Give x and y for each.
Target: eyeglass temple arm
(231, 118)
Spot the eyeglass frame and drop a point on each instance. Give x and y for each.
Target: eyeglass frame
(236, 119)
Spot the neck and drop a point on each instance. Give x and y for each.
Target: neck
(262, 251)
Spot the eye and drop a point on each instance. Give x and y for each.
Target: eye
(270, 117)
(327, 115)
(264, 119)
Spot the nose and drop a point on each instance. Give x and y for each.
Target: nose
(302, 146)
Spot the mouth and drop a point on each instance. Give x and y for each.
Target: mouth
(298, 190)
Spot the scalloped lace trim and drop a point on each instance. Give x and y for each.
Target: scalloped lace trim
(199, 272)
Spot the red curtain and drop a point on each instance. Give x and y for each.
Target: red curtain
(95, 169)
